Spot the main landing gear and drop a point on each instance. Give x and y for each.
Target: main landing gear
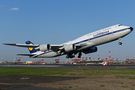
(120, 43)
(79, 55)
(70, 55)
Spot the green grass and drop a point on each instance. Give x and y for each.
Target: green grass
(102, 85)
(120, 73)
(32, 71)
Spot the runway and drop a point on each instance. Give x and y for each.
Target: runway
(29, 82)
(75, 66)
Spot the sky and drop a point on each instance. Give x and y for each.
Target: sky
(60, 21)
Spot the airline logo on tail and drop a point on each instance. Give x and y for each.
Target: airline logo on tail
(32, 50)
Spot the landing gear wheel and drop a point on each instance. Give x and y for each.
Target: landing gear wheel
(67, 56)
(80, 54)
(120, 43)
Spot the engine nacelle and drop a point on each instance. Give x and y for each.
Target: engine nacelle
(44, 47)
(90, 50)
(70, 47)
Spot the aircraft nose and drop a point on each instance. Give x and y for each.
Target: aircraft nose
(131, 28)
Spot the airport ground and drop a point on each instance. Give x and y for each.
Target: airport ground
(69, 77)
(71, 66)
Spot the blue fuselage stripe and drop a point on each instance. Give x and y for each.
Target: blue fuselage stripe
(42, 53)
(87, 40)
(101, 35)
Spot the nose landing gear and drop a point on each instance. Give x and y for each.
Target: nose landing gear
(120, 43)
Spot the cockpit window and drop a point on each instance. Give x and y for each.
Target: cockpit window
(119, 25)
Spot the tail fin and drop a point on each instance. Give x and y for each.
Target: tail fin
(32, 50)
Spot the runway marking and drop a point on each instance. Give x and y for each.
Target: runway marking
(81, 67)
(24, 78)
(121, 67)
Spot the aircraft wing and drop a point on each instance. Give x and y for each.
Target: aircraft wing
(53, 47)
(21, 45)
(56, 47)
(60, 47)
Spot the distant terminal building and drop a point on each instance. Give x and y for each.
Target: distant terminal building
(29, 62)
(92, 62)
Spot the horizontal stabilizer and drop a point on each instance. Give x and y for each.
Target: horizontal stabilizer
(26, 54)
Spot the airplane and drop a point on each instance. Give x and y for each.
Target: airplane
(85, 44)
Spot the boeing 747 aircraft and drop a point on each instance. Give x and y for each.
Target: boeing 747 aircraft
(85, 44)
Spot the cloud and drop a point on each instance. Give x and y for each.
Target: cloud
(14, 9)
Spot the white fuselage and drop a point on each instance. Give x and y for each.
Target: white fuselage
(92, 39)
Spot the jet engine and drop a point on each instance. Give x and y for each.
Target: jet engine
(44, 47)
(90, 50)
(69, 47)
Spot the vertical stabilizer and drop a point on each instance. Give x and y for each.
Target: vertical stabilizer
(32, 50)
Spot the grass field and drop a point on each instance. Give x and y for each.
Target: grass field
(70, 72)
(94, 79)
